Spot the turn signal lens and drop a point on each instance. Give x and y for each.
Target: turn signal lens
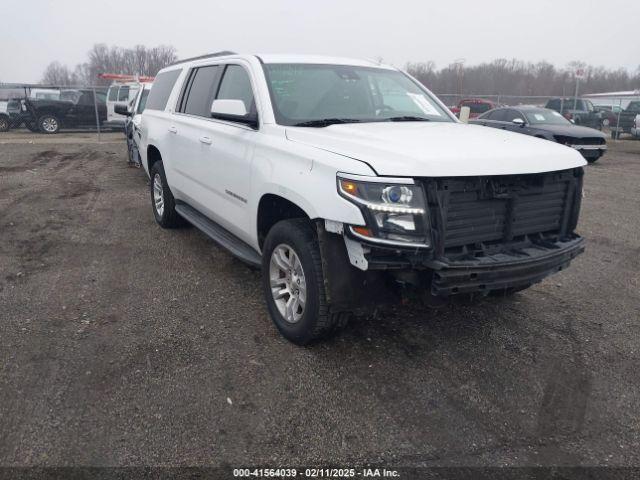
(348, 186)
(363, 231)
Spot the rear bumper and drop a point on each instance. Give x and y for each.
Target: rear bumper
(504, 271)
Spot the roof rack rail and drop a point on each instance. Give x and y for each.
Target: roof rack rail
(200, 57)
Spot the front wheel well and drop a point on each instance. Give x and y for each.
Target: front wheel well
(153, 156)
(272, 209)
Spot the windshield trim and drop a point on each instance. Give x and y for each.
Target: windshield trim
(277, 116)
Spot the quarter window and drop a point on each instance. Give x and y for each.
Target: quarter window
(161, 90)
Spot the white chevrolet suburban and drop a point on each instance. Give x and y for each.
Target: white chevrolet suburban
(349, 184)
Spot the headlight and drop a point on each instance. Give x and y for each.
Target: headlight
(394, 213)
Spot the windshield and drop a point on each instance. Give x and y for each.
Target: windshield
(544, 116)
(305, 93)
(634, 107)
(143, 100)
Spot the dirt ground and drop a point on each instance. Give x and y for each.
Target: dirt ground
(125, 344)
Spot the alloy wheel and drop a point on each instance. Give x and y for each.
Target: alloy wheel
(158, 194)
(288, 283)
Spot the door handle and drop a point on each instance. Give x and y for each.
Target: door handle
(205, 140)
(173, 130)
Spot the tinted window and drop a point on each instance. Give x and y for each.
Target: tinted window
(499, 115)
(113, 94)
(236, 85)
(634, 107)
(162, 86)
(123, 94)
(554, 104)
(511, 115)
(200, 94)
(85, 98)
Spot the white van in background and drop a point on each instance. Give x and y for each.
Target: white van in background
(120, 93)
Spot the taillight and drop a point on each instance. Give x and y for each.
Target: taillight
(568, 115)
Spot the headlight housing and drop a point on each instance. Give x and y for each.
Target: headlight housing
(395, 213)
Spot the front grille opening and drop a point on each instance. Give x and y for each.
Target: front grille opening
(481, 216)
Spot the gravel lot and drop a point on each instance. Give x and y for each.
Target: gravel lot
(125, 344)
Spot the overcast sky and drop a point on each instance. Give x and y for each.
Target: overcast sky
(599, 32)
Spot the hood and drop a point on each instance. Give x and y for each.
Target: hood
(575, 131)
(438, 149)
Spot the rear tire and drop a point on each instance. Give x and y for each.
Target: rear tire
(293, 284)
(4, 124)
(162, 201)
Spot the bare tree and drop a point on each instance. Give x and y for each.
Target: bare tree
(139, 60)
(514, 77)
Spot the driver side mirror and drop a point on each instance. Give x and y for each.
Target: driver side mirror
(233, 111)
(518, 121)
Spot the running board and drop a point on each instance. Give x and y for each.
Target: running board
(220, 235)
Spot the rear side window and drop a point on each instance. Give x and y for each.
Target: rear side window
(161, 90)
(236, 85)
(200, 91)
(113, 94)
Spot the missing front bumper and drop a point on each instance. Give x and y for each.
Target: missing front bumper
(504, 271)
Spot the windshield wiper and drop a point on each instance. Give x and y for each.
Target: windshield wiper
(407, 118)
(325, 122)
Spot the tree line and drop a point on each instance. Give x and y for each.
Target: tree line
(138, 60)
(499, 77)
(515, 77)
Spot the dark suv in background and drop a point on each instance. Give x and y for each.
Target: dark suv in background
(579, 110)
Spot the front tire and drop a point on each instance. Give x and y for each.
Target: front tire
(293, 283)
(49, 124)
(162, 201)
(4, 124)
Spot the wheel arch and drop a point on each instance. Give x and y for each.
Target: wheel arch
(273, 208)
(153, 156)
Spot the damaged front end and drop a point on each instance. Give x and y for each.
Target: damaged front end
(486, 235)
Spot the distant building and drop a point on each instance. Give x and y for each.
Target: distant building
(614, 98)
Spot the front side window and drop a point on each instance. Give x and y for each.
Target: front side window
(511, 115)
(161, 90)
(200, 91)
(143, 100)
(123, 94)
(303, 93)
(236, 85)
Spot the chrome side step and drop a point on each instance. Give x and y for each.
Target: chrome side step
(220, 235)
